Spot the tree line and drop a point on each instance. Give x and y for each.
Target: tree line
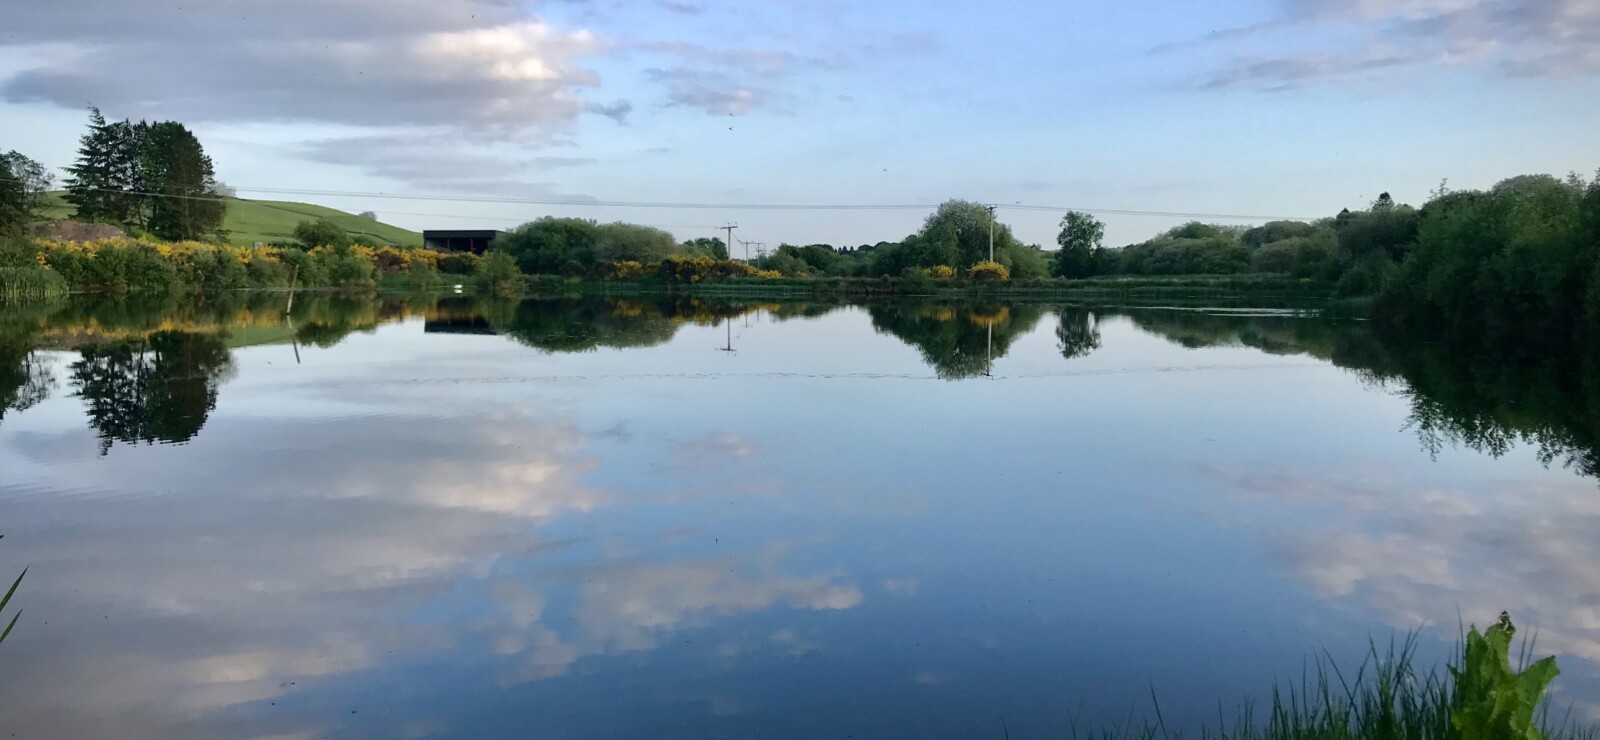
(953, 239)
(1516, 264)
(956, 235)
(1519, 262)
(576, 247)
(1354, 249)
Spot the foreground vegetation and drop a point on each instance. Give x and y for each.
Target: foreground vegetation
(1480, 697)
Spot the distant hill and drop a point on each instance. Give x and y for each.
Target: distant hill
(251, 221)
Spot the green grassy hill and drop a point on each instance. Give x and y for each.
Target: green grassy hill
(251, 221)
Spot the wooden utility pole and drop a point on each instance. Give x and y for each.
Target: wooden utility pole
(991, 233)
(730, 228)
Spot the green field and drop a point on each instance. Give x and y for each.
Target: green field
(251, 221)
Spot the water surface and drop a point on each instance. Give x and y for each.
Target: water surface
(686, 518)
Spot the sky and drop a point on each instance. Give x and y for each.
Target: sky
(502, 111)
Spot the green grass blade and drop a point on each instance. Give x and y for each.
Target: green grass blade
(18, 582)
(9, 627)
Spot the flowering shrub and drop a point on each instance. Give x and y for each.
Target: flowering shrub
(988, 271)
(456, 263)
(680, 269)
(623, 270)
(395, 260)
(941, 272)
(729, 268)
(676, 269)
(141, 265)
(114, 265)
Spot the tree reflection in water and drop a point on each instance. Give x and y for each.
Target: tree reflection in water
(150, 372)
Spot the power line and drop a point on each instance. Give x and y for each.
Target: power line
(761, 248)
(596, 203)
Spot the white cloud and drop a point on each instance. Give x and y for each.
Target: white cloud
(1525, 38)
(630, 607)
(464, 63)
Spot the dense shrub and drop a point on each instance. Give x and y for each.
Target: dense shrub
(624, 270)
(131, 265)
(1368, 276)
(321, 233)
(303, 268)
(676, 269)
(498, 274)
(787, 264)
(346, 268)
(1274, 257)
(1519, 263)
(941, 272)
(419, 276)
(1025, 262)
(458, 263)
(915, 280)
(1176, 255)
(987, 271)
(1315, 256)
(1274, 232)
(213, 270)
(624, 242)
(730, 268)
(117, 266)
(388, 260)
(268, 273)
(19, 252)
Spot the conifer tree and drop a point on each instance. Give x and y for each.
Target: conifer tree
(90, 180)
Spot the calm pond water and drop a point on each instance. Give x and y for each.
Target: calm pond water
(589, 518)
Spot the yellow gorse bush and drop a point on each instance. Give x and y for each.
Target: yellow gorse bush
(989, 270)
(179, 253)
(216, 265)
(622, 270)
(390, 260)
